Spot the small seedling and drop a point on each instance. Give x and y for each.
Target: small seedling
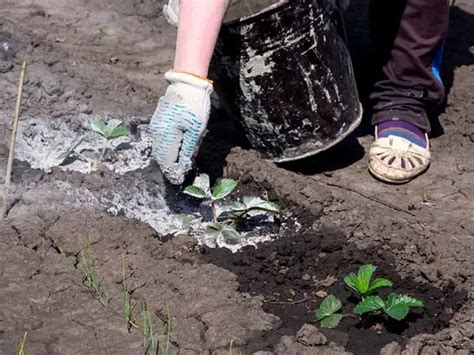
(220, 190)
(326, 313)
(113, 129)
(102, 33)
(361, 283)
(396, 306)
(425, 197)
(149, 340)
(165, 347)
(126, 295)
(21, 350)
(223, 226)
(90, 277)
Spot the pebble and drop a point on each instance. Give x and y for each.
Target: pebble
(309, 335)
(391, 349)
(5, 66)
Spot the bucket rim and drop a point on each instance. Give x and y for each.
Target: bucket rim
(271, 8)
(351, 129)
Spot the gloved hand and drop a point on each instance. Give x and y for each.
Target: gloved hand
(171, 12)
(179, 123)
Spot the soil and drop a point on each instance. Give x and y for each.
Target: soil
(90, 59)
(291, 272)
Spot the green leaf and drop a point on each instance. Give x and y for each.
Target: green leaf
(238, 206)
(360, 282)
(230, 236)
(223, 188)
(113, 123)
(254, 202)
(202, 181)
(195, 192)
(331, 321)
(223, 232)
(119, 132)
(185, 219)
(99, 127)
(328, 307)
(369, 304)
(365, 275)
(182, 224)
(352, 281)
(214, 230)
(378, 284)
(398, 306)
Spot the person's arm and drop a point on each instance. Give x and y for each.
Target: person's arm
(198, 27)
(181, 117)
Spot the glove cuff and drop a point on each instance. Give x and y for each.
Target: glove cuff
(169, 75)
(196, 81)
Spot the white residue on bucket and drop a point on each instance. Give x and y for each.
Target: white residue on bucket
(257, 65)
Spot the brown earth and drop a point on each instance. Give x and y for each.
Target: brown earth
(106, 58)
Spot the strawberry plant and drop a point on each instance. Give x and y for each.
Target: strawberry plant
(224, 221)
(220, 190)
(396, 306)
(362, 282)
(113, 129)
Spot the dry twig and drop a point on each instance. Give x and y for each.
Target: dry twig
(12, 142)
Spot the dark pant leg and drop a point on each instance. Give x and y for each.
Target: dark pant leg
(409, 35)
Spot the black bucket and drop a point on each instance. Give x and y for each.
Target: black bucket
(286, 75)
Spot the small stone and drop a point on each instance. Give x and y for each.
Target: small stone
(462, 352)
(306, 277)
(429, 350)
(85, 109)
(51, 87)
(5, 66)
(309, 335)
(391, 349)
(321, 294)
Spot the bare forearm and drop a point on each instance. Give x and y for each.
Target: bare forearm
(199, 25)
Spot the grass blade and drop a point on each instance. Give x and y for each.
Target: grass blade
(21, 350)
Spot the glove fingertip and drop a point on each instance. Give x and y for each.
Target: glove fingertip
(173, 173)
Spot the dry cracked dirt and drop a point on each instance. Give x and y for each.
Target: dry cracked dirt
(91, 58)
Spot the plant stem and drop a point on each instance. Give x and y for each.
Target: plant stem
(214, 212)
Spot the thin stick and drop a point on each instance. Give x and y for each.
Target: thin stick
(12, 142)
(289, 302)
(364, 195)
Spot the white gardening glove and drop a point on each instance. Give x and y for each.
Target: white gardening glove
(171, 12)
(179, 123)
